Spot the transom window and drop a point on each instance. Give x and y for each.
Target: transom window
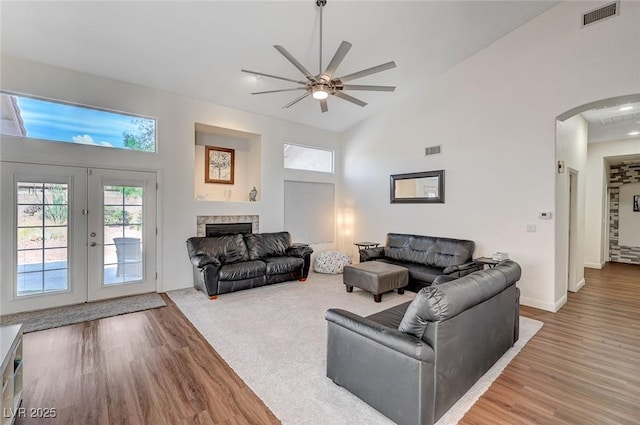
(32, 117)
(298, 157)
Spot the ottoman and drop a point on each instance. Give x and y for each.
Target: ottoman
(331, 262)
(375, 277)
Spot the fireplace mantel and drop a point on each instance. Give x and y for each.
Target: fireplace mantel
(203, 220)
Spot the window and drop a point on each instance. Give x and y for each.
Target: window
(123, 260)
(42, 238)
(35, 118)
(298, 157)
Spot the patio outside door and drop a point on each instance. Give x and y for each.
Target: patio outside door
(70, 235)
(122, 233)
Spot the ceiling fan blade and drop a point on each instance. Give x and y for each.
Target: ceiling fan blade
(337, 58)
(350, 98)
(323, 105)
(295, 63)
(277, 91)
(272, 76)
(372, 88)
(369, 71)
(296, 100)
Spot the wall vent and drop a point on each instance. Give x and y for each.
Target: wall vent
(432, 150)
(604, 12)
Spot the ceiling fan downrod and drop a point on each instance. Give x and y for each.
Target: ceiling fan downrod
(320, 4)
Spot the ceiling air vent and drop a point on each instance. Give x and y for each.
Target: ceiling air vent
(604, 12)
(432, 150)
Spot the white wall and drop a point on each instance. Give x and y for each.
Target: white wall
(596, 212)
(495, 116)
(176, 149)
(571, 147)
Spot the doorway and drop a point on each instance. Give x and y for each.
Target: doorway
(73, 234)
(573, 263)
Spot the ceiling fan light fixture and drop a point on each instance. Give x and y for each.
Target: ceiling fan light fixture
(319, 93)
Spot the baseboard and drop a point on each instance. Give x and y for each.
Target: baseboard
(580, 284)
(542, 305)
(595, 265)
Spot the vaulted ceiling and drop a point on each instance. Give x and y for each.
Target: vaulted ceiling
(197, 49)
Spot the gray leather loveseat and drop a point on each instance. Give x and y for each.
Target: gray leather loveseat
(426, 257)
(238, 261)
(412, 362)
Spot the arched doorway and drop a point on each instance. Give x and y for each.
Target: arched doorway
(589, 140)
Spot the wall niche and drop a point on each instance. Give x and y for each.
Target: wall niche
(247, 164)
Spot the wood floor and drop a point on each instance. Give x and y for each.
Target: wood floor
(583, 367)
(153, 367)
(144, 368)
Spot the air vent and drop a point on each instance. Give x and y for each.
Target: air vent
(604, 12)
(432, 150)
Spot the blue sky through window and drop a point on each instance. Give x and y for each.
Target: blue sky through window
(75, 124)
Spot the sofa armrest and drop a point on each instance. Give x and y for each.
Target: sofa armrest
(299, 250)
(201, 260)
(443, 278)
(370, 254)
(206, 278)
(462, 269)
(404, 343)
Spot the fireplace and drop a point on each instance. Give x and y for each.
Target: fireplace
(217, 229)
(250, 221)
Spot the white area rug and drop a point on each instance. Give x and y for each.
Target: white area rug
(275, 339)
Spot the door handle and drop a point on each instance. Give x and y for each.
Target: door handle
(94, 244)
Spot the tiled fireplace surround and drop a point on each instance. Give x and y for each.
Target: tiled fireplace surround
(203, 220)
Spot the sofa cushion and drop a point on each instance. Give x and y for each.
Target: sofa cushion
(411, 248)
(281, 265)
(422, 273)
(227, 248)
(447, 300)
(243, 270)
(262, 245)
(417, 272)
(450, 252)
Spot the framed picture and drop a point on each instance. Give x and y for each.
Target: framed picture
(636, 203)
(218, 165)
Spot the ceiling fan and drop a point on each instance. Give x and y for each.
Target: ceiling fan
(325, 83)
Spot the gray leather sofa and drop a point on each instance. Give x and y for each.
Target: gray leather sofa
(412, 362)
(239, 261)
(426, 257)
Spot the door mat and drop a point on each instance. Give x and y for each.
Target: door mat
(62, 316)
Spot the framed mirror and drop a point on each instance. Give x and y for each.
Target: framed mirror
(426, 187)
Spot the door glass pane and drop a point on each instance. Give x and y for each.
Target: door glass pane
(123, 221)
(42, 238)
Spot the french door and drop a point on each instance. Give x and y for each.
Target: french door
(70, 235)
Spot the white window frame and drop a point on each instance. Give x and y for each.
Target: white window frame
(331, 151)
(95, 108)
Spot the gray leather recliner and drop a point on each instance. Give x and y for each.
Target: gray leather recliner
(412, 362)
